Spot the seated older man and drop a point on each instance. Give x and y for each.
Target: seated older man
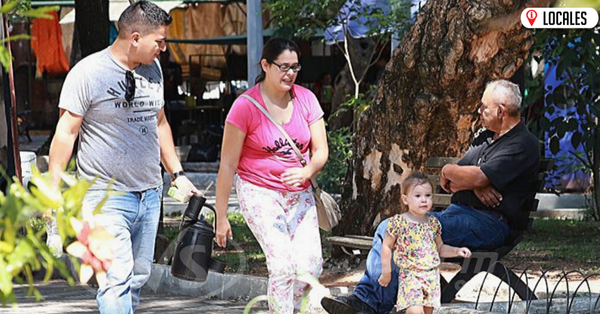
(491, 183)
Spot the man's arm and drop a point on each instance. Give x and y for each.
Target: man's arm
(456, 178)
(168, 155)
(61, 147)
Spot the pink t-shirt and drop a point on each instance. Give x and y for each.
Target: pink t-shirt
(266, 153)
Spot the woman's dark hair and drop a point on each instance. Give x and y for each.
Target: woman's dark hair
(272, 49)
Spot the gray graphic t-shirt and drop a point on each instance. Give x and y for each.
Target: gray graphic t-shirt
(117, 140)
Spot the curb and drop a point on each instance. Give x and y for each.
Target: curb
(219, 286)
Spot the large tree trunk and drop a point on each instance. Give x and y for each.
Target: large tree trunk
(427, 100)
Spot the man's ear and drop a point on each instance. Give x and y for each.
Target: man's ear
(500, 111)
(135, 37)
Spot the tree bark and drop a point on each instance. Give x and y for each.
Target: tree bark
(427, 100)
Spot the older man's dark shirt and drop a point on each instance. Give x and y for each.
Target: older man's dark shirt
(510, 163)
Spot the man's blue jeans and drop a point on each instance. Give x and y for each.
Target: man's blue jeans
(475, 229)
(380, 299)
(461, 226)
(132, 218)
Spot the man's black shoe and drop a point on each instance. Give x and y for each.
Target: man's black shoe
(346, 305)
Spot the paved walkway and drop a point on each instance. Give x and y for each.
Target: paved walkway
(60, 298)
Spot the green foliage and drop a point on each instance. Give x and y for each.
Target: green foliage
(574, 53)
(303, 18)
(22, 246)
(580, 3)
(20, 10)
(331, 178)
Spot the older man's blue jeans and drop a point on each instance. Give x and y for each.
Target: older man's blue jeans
(475, 229)
(380, 299)
(132, 218)
(461, 226)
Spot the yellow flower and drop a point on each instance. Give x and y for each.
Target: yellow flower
(94, 248)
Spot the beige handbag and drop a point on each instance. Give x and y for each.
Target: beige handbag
(328, 211)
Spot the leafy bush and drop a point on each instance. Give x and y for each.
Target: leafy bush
(23, 249)
(331, 178)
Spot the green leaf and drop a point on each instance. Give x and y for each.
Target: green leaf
(41, 12)
(554, 145)
(576, 139)
(545, 123)
(8, 235)
(15, 37)
(5, 278)
(5, 58)
(8, 7)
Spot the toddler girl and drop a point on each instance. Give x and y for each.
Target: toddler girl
(416, 241)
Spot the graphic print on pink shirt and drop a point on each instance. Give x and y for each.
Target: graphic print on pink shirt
(266, 154)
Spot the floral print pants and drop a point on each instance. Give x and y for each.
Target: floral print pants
(286, 226)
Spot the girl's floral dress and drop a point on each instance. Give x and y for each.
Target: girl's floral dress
(416, 254)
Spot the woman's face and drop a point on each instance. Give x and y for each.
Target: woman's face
(282, 80)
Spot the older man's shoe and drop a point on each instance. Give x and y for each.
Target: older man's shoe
(346, 305)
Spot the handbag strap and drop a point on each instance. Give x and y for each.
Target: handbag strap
(262, 109)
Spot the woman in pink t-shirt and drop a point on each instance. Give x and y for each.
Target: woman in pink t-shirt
(273, 188)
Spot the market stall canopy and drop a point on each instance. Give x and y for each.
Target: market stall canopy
(240, 39)
(116, 7)
(222, 40)
(356, 24)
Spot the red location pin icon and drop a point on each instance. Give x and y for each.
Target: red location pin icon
(531, 16)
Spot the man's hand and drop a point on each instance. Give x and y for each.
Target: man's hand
(445, 182)
(384, 279)
(488, 195)
(184, 185)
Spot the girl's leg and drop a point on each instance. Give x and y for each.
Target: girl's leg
(428, 310)
(266, 219)
(306, 240)
(415, 310)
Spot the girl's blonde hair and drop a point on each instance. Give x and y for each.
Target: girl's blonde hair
(413, 179)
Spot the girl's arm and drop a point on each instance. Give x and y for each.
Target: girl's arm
(386, 259)
(446, 250)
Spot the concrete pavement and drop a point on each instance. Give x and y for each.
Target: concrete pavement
(59, 297)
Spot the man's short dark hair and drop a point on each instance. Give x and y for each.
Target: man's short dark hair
(142, 17)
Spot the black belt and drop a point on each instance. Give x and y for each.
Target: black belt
(497, 214)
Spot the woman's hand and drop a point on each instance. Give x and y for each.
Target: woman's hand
(223, 232)
(384, 279)
(294, 176)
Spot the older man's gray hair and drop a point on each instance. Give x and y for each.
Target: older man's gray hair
(506, 93)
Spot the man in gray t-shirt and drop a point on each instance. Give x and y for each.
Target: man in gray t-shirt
(113, 100)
